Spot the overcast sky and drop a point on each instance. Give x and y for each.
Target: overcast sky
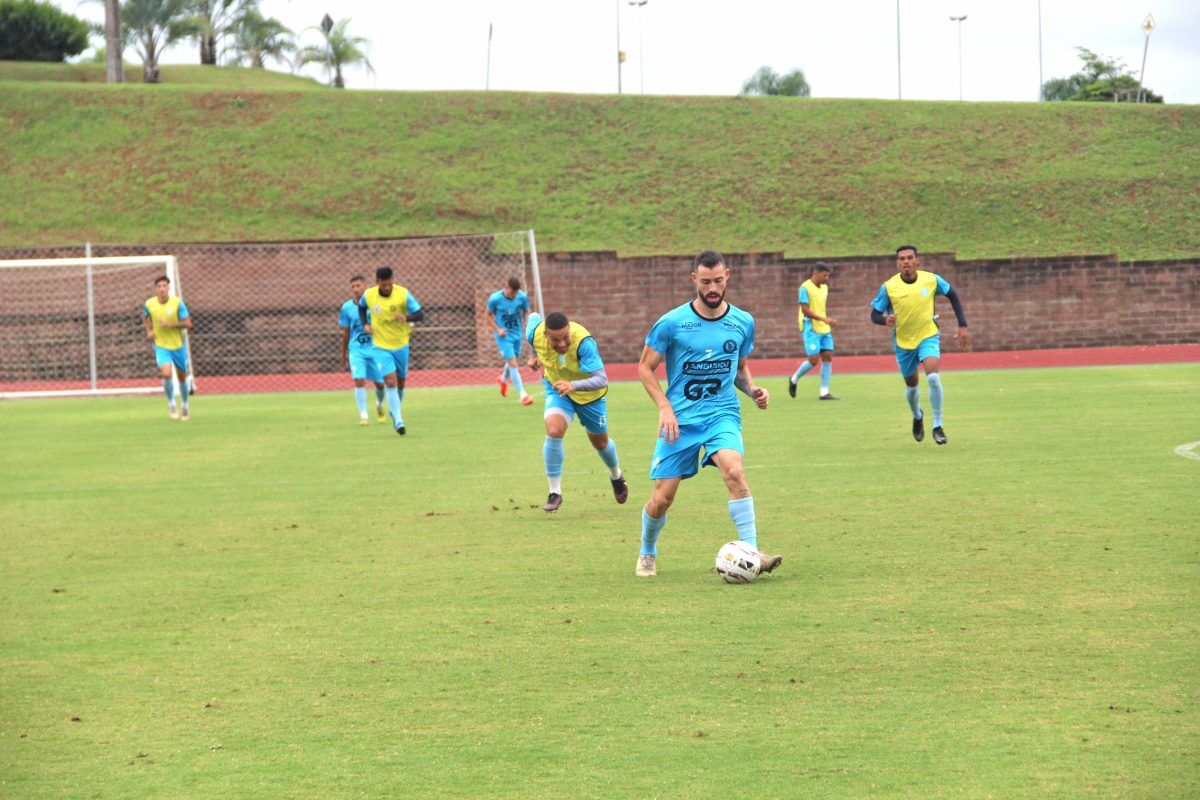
(847, 48)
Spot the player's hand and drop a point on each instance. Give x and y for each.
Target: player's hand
(533, 363)
(502, 332)
(150, 335)
(831, 322)
(366, 328)
(964, 338)
(563, 388)
(890, 320)
(761, 396)
(668, 426)
(401, 318)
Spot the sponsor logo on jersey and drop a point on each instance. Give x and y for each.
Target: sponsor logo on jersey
(721, 366)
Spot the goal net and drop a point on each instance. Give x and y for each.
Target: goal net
(72, 326)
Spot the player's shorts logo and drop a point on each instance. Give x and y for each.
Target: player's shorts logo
(730, 346)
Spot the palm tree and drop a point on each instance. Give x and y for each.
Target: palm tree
(214, 18)
(256, 39)
(153, 26)
(340, 50)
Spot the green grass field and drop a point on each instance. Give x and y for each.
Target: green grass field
(270, 601)
(186, 74)
(636, 174)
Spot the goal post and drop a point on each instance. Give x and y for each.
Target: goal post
(72, 328)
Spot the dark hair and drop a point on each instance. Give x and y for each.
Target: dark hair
(556, 321)
(912, 247)
(708, 258)
(821, 266)
(358, 278)
(160, 279)
(384, 274)
(514, 283)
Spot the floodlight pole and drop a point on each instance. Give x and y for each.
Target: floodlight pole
(1040, 84)
(641, 48)
(91, 312)
(487, 81)
(1147, 26)
(959, 20)
(618, 46)
(899, 83)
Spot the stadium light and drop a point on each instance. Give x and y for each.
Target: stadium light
(640, 4)
(620, 55)
(899, 83)
(1147, 25)
(959, 20)
(1040, 84)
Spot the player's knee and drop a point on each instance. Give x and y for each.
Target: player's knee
(826, 356)
(599, 440)
(735, 477)
(813, 360)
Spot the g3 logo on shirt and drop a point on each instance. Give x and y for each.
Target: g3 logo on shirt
(707, 387)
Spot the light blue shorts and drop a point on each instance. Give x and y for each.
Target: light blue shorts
(389, 361)
(909, 360)
(593, 415)
(362, 365)
(817, 342)
(682, 459)
(177, 357)
(509, 346)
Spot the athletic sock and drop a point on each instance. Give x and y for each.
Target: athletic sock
(651, 528)
(183, 394)
(552, 454)
(170, 391)
(360, 399)
(380, 396)
(802, 371)
(935, 397)
(826, 374)
(741, 511)
(609, 456)
(393, 398)
(515, 374)
(504, 374)
(913, 396)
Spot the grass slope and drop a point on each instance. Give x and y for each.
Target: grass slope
(272, 602)
(638, 174)
(185, 74)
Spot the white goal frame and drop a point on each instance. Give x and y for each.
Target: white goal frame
(171, 269)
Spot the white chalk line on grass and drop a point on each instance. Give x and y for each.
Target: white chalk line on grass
(1188, 450)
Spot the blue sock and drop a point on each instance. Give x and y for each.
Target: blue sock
(935, 397)
(913, 396)
(380, 395)
(741, 511)
(360, 399)
(826, 374)
(804, 370)
(609, 456)
(552, 454)
(651, 528)
(183, 393)
(170, 390)
(514, 375)
(393, 398)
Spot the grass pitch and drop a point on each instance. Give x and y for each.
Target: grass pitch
(271, 602)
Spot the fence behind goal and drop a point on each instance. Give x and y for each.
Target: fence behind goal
(265, 315)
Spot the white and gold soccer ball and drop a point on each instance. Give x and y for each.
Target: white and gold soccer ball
(738, 562)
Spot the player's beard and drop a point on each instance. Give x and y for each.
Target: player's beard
(711, 303)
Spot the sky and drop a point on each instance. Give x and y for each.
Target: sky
(846, 48)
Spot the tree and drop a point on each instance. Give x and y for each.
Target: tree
(153, 26)
(768, 82)
(256, 39)
(340, 50)
(215, 18)
(33, 31)
(114, 45)
(1101, 80)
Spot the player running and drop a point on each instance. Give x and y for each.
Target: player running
(165, 317)
(905, 304)
(816, 329)
(508, 308)
(576, 383)
(358, 352)
(392, 309)
(705, 344)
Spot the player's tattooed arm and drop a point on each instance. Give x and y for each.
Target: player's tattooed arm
(744, 382)
(668, 425)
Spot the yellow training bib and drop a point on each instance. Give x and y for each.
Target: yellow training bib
(913, 306)
(565, 366)
(386, 332)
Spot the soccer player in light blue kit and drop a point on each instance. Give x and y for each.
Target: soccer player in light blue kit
(508, 308)
(358, 353)
(705, 344)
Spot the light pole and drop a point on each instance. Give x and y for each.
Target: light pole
(1040, 84)
(1147, 26)
(641, 51)
(620, 55)
(959, 20)
(899, 84)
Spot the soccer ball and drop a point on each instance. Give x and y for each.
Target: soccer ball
(737, 562)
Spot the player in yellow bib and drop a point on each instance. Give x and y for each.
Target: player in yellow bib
(576, 383)
(391, 308)
(905, 304)
(817, 330)
(165, 317)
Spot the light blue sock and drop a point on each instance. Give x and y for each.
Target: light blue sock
(360, 398)
(609, 456)
(514, 375)
(935, 397)
(380, 395)
(393, 398)
(552, 454)
(826, 374)
(651, 528)
(183, 393)
(170, 390)
(913, 396)
(741, 511)
(804, 370)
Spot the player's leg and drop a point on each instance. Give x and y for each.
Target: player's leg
(741, 503)
(504, 348)
(373, 375)
(558, 416)
(179, 362)
(907, 361)
(654, 518)
(385, 366)
(594, 416)
(514, 375)
(812, 347)
(358, 373)
(930, 354)
(673, 462)
(826, 345)
(162, 360)
(399, 359)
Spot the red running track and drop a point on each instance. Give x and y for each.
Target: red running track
(765, 367)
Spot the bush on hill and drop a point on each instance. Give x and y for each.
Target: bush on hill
(33, 31)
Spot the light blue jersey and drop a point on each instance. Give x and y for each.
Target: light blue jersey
(702, 357)
(360, 341)
(507, 311)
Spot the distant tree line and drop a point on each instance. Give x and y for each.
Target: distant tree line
(1102, 80)
(234, 30)
(768, 82)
